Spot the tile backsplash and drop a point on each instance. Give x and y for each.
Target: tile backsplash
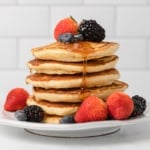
(25, 24)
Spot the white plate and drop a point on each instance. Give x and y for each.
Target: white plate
(71, 130)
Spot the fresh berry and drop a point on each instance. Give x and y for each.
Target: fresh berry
(70, 38)
(139, 105)
(78, 37)
(67, 119)
(20, 115)
(66, 25)
(91, 30)
(66, 38)
(120, 105)
(34, 113)
(91, 109)
(16, 99)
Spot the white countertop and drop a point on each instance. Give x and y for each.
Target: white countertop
(129, 137)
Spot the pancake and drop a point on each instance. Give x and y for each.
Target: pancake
(57, 67)
(53, 119)
(75, 52)
(76, 95)
(52, 108)
(73, 81)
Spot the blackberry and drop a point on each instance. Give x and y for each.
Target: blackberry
(91, 30)
(34, 113)
(67, 119)
(139, 105)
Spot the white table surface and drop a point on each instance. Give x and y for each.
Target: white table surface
(129, 137)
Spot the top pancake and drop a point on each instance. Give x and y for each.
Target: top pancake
(75, 52)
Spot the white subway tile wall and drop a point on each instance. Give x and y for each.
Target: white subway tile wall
(132, 53)
(8, 53)
(88, 12)
(24, 21)
(25, 45)
(133, 21)
(25, 24)
(8, 2)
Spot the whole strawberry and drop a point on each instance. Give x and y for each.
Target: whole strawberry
(92, 109)
(120, 105)
(16, 99)
(66, 25)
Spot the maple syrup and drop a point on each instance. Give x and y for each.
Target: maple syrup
(83, 89)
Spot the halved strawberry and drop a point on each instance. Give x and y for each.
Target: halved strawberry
(66, 25)
(92, 109)
(16, 99)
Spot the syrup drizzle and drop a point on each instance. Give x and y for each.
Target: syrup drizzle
(84, 72)
(84, 90)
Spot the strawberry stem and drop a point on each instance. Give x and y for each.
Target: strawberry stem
(73, 19)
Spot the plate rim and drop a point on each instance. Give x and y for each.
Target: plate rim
(71, 127)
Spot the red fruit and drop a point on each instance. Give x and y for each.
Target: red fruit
(92, 109)
(16, 99)
(120, 105)
(66, 25)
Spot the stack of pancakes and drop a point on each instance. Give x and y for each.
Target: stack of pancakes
(63, 75)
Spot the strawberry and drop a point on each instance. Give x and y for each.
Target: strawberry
(16, 99)
(66, 25)
(120, 105)
(91, 109)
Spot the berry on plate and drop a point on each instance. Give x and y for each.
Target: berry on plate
(66, 25)
(34, 113)
(67, 119)
(91, 109)
(139, 105)
(120, 105)
(20, 115)
(16, 99)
